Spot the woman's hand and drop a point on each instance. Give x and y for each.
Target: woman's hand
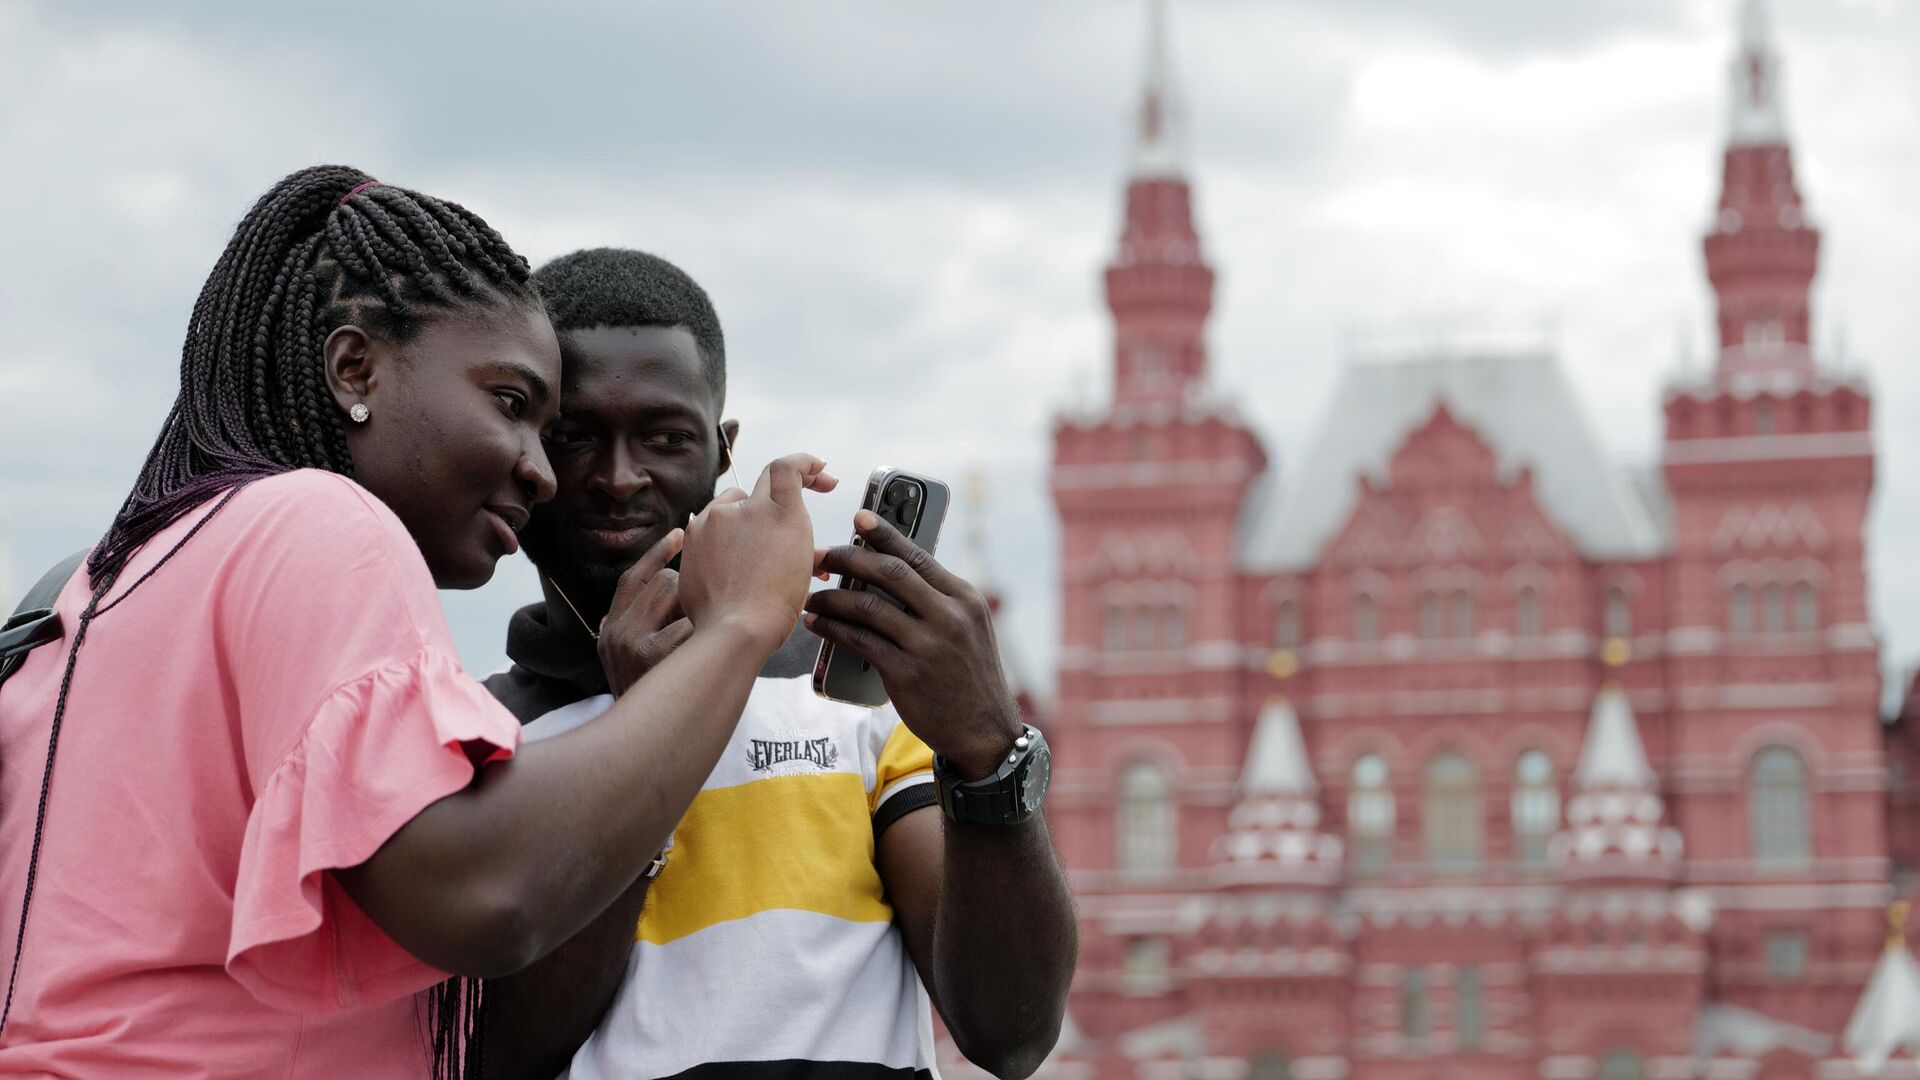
(748, 558)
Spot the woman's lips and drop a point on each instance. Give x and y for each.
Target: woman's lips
(503, 532)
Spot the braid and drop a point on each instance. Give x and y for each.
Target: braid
(319, 251)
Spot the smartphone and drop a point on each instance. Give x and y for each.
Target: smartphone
(917, 506)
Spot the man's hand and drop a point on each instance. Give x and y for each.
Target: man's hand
(644, 624)
(938, 658)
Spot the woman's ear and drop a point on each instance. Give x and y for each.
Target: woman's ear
(349, 361)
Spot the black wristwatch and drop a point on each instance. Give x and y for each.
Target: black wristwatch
(1014, 793)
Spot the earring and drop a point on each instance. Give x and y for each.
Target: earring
(359, 412)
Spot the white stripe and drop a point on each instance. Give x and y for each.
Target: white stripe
(777, 985)
(901, 785)
(565, 718)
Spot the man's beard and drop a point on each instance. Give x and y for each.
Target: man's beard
(590, 584)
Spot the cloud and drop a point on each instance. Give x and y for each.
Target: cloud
(902, 211)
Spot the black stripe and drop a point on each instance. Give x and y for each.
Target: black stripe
(917, 797)
(792, 1069)
(529, 696)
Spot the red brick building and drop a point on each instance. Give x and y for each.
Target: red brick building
(1454, 748)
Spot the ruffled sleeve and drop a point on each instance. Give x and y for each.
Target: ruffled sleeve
(379, 749)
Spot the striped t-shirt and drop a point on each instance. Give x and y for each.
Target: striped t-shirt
(767, 947)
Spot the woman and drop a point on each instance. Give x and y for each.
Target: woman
(251, 805)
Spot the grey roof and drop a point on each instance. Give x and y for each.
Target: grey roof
(1520, 403)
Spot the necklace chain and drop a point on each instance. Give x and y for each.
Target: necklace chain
(561, 593)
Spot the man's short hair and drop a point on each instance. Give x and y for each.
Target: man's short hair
(623, 287)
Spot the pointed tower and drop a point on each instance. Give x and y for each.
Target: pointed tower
(1159, 286)
(1887, 1020)
(1616, 822)
(1761, 250)
(1273, 833)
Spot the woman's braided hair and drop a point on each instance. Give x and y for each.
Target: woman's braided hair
(327, 247)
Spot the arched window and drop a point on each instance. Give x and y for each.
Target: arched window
(1271, 1065)
(1430, 626)
(1146, 629)
(1366, 618)
(1620, 1065)
(1773, 609)
(1115, 632)
(1413, 1005)
(1467, 1014)
(1619, 617)
(1370, 815)
(1173, 628)
(1740, 611)
(1777, 807)
(1536, 806)
(1460, 614)
(1451, 815)
(1286, 625)
(1763, 422)
(1806, 608)
(1146, 820)
(1526, 613)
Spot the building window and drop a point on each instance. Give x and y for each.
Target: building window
(1763, 423)
(1271, 1065)
(1451, 815)
(1366, 618)
(1413, 1006)
(1430, 615)
(1777, 807)
(1173, 628)
(1740, 611)
(1619, 617)
(1146, 965)
(1467, 1023)
(1806, 608)
(1763, 334)
(1370, 815)
(1773, 610)
(1286, 625)
(1147, 822)
(1526, 613)
(1536, 806)
(1460, 614)
(1115, 632)
(1786, 954)
(1146, 631)
(1620, 1065)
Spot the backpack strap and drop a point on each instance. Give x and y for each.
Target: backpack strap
(34, 623)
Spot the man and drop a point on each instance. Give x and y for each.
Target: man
(813, 887)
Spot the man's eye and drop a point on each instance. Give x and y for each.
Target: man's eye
(569, 437)
(514, 401)
(669, 438)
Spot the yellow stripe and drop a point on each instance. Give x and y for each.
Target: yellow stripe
(802, 842)
(903, 756)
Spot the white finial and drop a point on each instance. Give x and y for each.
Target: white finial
(1277, 759)
(1612, 754)
(1754, 114)
(1888, 1016)
(1161, 149)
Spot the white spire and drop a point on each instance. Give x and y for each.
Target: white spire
(1754, 115)
(1161, 149)
(1888, 1016)
(1277, 760)
(1612, 755)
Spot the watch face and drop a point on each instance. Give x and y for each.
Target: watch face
(1034, 780)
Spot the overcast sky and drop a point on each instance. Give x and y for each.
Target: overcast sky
(901, 209)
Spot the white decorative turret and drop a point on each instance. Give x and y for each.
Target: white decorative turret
(1888, 1017)
(1161, 149)
(1274, 829)
(1754, 114)
(1616, 822)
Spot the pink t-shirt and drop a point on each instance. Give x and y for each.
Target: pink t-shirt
(272, 704)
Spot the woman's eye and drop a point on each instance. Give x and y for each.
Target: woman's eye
(514, 401)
